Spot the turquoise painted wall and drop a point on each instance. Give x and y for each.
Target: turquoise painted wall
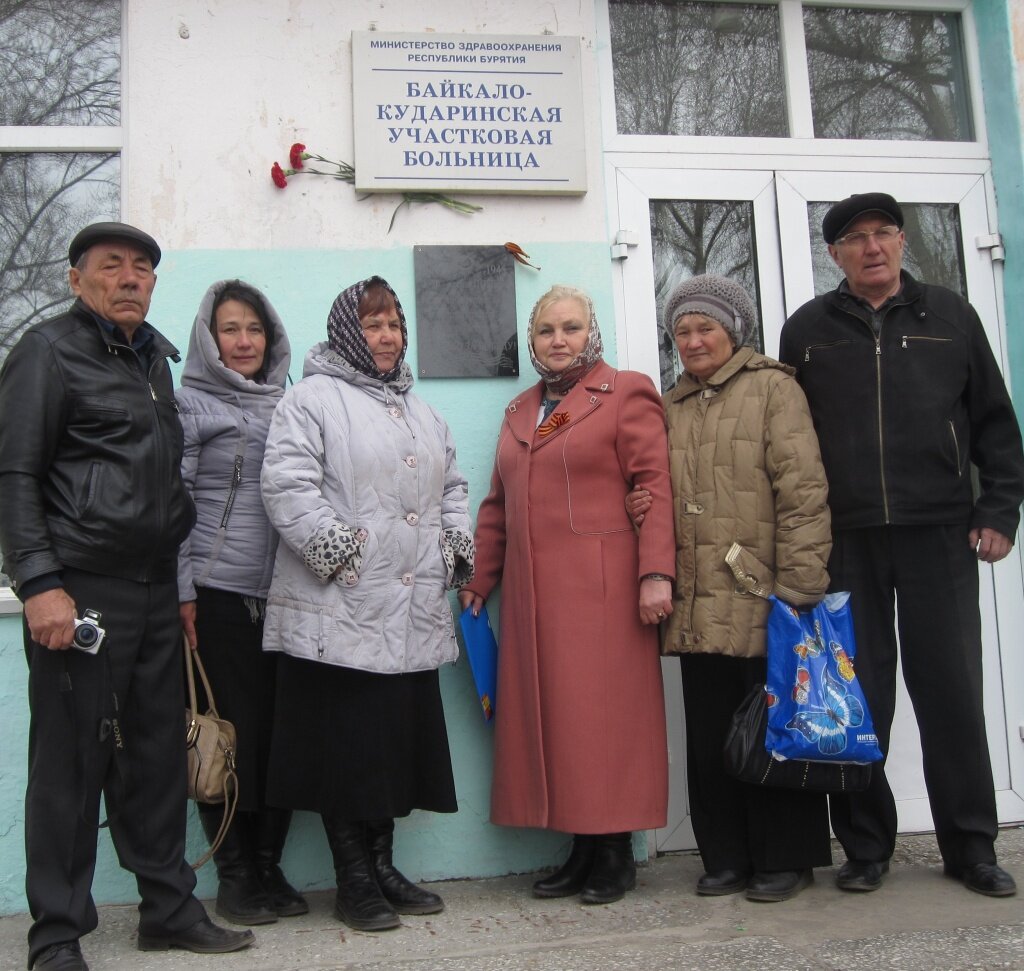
(1003, 116)
(302, 285)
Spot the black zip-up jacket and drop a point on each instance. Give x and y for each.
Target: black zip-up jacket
(90, 455)
(901, 416)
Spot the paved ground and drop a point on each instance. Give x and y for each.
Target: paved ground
(918, 920)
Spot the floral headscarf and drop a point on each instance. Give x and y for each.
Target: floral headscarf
(345, 334)
(561, 382)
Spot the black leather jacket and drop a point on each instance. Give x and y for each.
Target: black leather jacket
(902, 415)
(90, 455)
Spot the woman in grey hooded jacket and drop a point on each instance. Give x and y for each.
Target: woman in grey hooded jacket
(234, 376)
(361, 482)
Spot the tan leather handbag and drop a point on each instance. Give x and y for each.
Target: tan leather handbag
(210, 743)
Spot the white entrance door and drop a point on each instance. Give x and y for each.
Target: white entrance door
(763, 228)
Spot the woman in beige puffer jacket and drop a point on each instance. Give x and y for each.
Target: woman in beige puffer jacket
(751, 519)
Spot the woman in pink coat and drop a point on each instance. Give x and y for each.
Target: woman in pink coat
(580, 725)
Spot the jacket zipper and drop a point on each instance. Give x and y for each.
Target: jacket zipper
(705, 404)
(881, 442)
(236, 481)
(956, 449)
(818, 347)
(146, 378)
(918, 337)
(878, 398)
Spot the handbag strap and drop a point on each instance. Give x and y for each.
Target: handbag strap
(192, 658)
(230, 805)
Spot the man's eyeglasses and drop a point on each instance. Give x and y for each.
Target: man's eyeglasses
(859, 239)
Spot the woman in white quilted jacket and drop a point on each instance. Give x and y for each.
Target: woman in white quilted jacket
(360, 481)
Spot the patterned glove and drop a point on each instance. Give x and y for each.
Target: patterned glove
(336, 545)
(459, 556)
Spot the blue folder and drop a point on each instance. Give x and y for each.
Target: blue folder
(482, 650)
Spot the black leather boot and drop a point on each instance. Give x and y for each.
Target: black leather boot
(403, 895)
(241, 898)
(271, 832)
(569, 878)
(358, 901)
(613, 871)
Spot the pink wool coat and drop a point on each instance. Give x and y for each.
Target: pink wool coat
(580, 721)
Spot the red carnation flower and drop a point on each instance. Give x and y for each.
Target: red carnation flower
(295, 156)
(277, 174)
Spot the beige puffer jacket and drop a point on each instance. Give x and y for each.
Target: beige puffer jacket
(750, 499)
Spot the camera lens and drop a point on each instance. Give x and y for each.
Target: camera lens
(85, 635)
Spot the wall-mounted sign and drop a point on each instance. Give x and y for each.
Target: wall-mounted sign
(468, 113)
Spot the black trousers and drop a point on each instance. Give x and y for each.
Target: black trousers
(73, 758)
(752, 829)
(933, 575)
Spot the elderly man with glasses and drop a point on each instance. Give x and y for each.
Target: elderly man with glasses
(906, 396)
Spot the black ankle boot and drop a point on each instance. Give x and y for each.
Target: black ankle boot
(569, 878)
(613, 872)
(403, 895)
(271, 832)
(241, 898)
(358, 901)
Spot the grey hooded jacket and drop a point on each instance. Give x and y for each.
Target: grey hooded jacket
(226, 418)
(361, 473)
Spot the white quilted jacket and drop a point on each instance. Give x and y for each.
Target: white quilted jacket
(345, 448)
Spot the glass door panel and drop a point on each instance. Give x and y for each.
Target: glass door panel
(946, 217)
(687, 223)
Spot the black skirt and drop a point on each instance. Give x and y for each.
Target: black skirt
(358, 744)
(243, 681)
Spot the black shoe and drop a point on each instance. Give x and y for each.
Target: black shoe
(721, 883)
(358, 901)
(987, 878)
(66, 956)
(778, 885)
(861, 875)
(203, 937)
(271, 830)
(569, 878)
(613, 871)
(399, 891)
(241, 897)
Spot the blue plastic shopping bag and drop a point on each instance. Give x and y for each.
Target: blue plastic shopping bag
(816, 709)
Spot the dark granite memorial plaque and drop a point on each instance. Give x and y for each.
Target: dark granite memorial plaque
(465, 312)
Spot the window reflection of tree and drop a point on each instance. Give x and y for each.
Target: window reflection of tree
(690, 238)
(697, 68)
(933, 252)
(887, 74)
(59, 65)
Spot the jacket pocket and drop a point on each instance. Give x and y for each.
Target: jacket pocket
(752, 576)
(92, 487)
(956, 450)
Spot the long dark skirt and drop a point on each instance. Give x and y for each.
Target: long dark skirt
(358, 744)
(243, 681)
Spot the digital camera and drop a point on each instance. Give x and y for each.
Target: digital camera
(88, 633)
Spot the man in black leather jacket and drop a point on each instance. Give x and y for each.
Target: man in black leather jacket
(906, 396)
(92, 509)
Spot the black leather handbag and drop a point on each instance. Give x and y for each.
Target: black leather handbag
(747, 759)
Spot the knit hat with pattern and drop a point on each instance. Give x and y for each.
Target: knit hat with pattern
(719, 298)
